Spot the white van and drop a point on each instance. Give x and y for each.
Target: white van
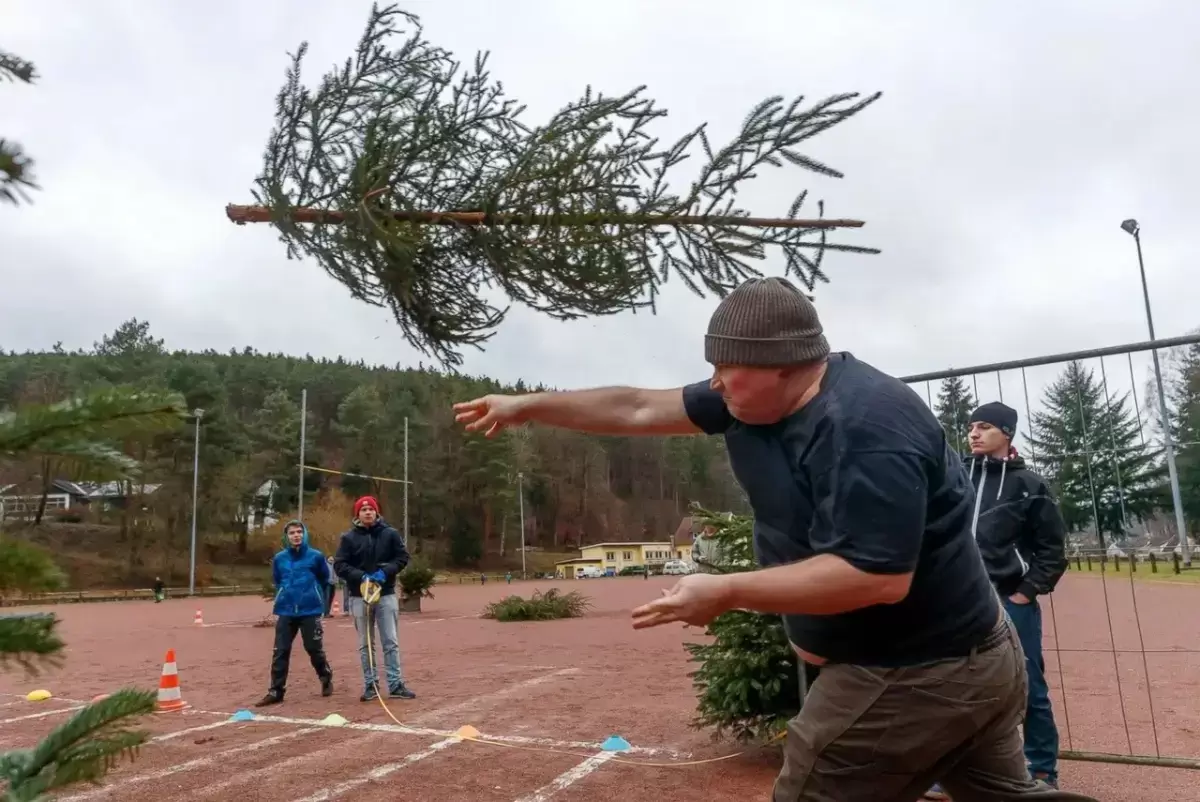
(589, 572)
(676, 568)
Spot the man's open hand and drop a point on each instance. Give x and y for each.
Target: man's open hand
(490, 414)
(695, 599)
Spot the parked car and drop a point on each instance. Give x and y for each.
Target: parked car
(589, 572)
(676, 568)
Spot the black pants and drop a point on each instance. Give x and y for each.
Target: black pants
(286, 627)
(329, 591)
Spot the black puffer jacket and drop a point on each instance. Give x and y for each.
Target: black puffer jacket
(1017, 525)
(365, 549)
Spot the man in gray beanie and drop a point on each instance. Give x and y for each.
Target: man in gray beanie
(863, 530)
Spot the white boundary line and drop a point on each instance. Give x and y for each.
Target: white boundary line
(553, 743)
(378, 773)
(55, 712)
(585, 746)
(168, 736)
(475, 703)
(569, 777)
(188, 765)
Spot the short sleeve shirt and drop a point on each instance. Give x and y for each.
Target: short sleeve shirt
(864, 472)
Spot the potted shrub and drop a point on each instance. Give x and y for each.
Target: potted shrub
(415, 582)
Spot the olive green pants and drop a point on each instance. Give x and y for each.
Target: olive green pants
(888, 734)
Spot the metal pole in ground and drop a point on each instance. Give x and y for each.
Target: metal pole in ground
(521, 508)
(303, 435)
(1132, 228)
(197, 414)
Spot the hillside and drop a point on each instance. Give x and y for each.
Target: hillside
(463, 499)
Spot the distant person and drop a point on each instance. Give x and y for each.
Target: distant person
(160, 590)
(373, 550)
(1022, 538)
(299, 572)
(862, 526)
(330, 588)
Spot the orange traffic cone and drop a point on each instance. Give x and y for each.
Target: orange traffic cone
(337, 607)
(170, 699)
(199, 619)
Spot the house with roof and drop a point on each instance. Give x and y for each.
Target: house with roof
(613, 558)
(22, 501)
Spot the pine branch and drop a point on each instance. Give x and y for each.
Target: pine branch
(81, 750)
(75, 430)
(29, 641)
(434, 193)
(16, 169)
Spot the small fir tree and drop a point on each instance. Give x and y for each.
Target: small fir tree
(419, 185)
(747, 683)
(1088, 446)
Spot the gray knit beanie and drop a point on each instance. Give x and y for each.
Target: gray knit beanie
(765, 322)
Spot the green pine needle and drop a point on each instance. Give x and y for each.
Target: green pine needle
(747, 683)
(80, 750)
(29, 641)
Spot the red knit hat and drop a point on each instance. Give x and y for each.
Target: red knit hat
(366, 501)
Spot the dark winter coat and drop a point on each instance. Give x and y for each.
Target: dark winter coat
(300, 575)
(364, 550)
(1017, 525)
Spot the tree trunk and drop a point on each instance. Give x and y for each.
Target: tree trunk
(47, 484)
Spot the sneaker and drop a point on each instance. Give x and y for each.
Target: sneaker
(327, 686)
(401, 691)
(1045, 781)
(936, 792)
(369, 695)
(272, 698)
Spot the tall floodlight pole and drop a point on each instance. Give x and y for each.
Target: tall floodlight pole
(1132, 228)
(197, 414)
(303, 435)
(521, 508)
(405, 481)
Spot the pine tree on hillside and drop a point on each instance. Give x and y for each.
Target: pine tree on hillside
(1184, 396)
(1088, 447)
(953, 407)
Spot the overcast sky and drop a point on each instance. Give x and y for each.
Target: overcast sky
(1011, 141)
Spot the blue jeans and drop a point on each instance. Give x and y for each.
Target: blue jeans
(386, 617)
(1041, 734)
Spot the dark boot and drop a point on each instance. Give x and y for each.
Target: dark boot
(272, 698)
(327, 685)
(401, 691)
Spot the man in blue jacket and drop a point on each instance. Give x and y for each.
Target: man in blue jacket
(372, 550)
(300, 575)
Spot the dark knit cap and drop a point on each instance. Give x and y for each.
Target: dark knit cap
(765, 322)
(1002, 416)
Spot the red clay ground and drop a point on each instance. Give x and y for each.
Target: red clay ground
(554, 690)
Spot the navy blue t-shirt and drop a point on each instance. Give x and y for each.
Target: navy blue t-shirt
(864, 471)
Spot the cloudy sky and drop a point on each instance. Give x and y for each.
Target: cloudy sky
(1011, 141)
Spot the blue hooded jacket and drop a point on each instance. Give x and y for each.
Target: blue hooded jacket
(301, 577)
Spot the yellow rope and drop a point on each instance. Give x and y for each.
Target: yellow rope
(373, 593)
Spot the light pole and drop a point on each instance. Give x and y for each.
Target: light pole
(198, 414)
(303, 438)
(1132, 228)
(521, 507)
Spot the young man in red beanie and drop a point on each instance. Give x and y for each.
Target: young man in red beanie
(373, 550)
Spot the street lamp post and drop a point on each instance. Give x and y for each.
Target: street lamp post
(198, 414)
(1132, 228)
(521, 507)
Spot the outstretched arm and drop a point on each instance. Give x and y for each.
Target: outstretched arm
(605, 410)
